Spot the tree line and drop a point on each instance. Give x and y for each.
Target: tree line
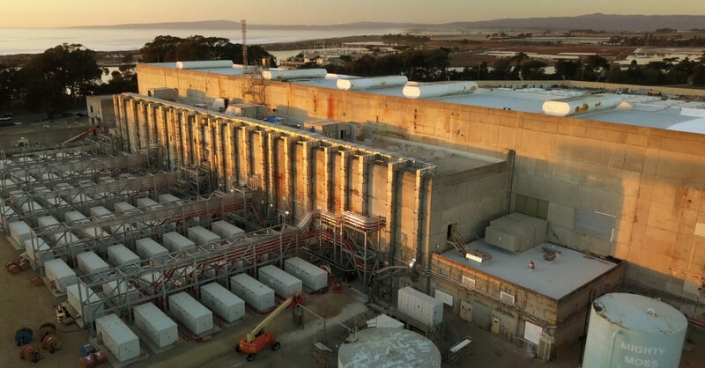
(61, 77)
(433, 65)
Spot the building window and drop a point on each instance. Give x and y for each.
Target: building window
(506, 298)
(91, 109)
(468, 282)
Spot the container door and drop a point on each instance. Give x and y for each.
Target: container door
(495, 325)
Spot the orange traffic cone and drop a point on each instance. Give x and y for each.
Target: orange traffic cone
(499, 350)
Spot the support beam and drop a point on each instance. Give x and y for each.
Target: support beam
(271, 168)
(329, 154)
(363, 180)
(289, 175)
(420, 198)
(229, 159)
(142, 125)
(173, 118)
(244, 139)
(344, 181)
(392, 202)
(308, 173)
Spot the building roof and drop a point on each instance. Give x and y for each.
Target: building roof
(569, 271)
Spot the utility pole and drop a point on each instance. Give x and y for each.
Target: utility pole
(244, 43)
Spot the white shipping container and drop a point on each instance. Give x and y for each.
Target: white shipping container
(32, 207)
(94, 232)
(148, 204)
(117, 337)
(92, 265)
(85, 301)
(227, 230)
(422, 307)
(60, 274)
(37, 246)
(20, 231)
(158, 327)
(258, 295)
(312, 277)
(199, 235)
(120, 255)
(125, 207)
(197, 318)
(283, 283)
(75, 216)
(169, 199)
(148, 248)
(100, 212)
(47, 222)
(120, 292)
(223, 302)
(64, 238)
(176, 242)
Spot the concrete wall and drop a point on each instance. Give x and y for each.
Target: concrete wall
(101, 111)
(651, 181)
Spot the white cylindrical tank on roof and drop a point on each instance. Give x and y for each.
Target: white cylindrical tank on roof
(581, 105)
(388, 347)
(204, 64)
(628, 330)
(358, 84)
(283, 75)
(438, 89)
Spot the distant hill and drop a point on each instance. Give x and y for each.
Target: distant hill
(597, 21)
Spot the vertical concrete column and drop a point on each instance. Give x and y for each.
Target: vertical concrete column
(244, 156)
(173, 136)
(289, 175)
(363, 181)
(161, 134)
(308, 173)
(259, 153)
(186, 119)
(150, 124)
(392, 199)
(131, 125)
(272, 166)
(420, 199)
(121, 120)
(218, 154)
(228, 149)
(142, 124)
(197, 125)
(344, 180)
(329, 176)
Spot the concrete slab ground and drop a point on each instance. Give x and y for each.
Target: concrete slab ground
(24, 305)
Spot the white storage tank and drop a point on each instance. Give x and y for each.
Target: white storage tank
(148, 204)
(197, 318)
(258, 295)
(283, 283)
(628, 330)
(360, 84)
(158, 327)
(176, 242)
(582, 104)
(389, 347)
(92, 265)
(149, 249)
(59, 274)
(118, 291)
(227, 230)
(117, 337)
(201, 235)
(20, 231)
(422, 307)
(284, 75)
(85, 301)
(37, 246)
(119, 255)
(438, 89)
(221, 301)
(312, 277)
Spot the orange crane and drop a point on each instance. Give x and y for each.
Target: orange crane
(258, 339)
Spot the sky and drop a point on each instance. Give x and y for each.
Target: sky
(66, 13)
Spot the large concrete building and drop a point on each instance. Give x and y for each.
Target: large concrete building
(620, 193)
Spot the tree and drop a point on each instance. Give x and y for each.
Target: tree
(170, 49)
(8, 85)
(699, 76)
(71, 66)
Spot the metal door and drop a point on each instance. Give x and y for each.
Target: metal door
(466, 310)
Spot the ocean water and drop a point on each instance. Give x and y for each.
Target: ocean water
(34, 41)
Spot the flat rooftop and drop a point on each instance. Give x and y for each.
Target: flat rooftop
(635, 109)
(567, 272)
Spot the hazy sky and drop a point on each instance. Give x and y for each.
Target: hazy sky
(62, 13)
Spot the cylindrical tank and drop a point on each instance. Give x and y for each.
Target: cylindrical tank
(100, 357)
(358, 84)
(581, 105)
(87, 361)
(628, 330)
(284, 75)
(388, 347)
(36, 281)
(12, 267)
(438, 89)
(204, 64)
(23, 263)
